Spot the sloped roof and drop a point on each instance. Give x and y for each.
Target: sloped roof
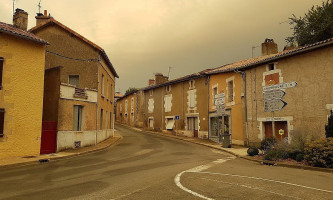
(178, 80)
(12, 30)
(247, 63)
(53, 21)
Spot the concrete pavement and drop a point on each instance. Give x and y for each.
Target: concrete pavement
(31, 160)
(146, 166)
(238, 151)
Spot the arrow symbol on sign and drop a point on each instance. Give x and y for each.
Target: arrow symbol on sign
(274, 94)
(274, 105)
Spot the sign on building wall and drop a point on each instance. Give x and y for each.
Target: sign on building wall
(273, 92)
(219, 101)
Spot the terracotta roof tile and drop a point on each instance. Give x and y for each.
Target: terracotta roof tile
(242, 64)
(12, 30)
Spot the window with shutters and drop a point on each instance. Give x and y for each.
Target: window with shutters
(191, 83)
(192, 98)
(230, 91)
(101, 120)
(168, 88)
(126, 106)
(102, 85)
(74, 80)
(214, 91)
(167, 103)
(1, 71)
(2, 122)
(77, 118)
(132, 105)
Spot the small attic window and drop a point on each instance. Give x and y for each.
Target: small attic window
(271, 66)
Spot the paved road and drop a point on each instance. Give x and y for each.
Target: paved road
(144, 166)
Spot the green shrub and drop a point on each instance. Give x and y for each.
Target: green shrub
(299, 157)
(329, 126)
(267, 143)
(271, 154)
(252, 151)
(319, 153)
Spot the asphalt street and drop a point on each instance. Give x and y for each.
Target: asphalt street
(146, 166)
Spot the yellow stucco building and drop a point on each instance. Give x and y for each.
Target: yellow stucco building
(22, 60)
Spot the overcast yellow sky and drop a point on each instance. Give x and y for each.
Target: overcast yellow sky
(143, 37)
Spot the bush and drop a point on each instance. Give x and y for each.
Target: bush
(267, 144)
(271, 154)
(299, 157)
(319, 153)
(252, 151)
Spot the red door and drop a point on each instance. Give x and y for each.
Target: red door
(49, 137)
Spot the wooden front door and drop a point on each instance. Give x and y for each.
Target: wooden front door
(281, 125)
(192, 123)
(49, 137)
(268, 126)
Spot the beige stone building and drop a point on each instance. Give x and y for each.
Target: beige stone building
(290, 92)
(130, 109)
(175, 106)
(79, 86)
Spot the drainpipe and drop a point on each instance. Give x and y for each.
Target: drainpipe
(208, 118)
(245, 130)
(99, 61)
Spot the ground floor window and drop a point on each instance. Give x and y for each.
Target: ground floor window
(219, 126)
(101, 120)
(151, 123)
(170, 122)
(77, 118)
(280, 129)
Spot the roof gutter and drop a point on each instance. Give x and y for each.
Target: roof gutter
(24, 37)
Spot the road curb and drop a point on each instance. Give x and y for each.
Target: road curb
(280, 164)
(53, 159)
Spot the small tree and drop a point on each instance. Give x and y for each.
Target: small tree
(315, 26)
(130, 90)
(329, 126)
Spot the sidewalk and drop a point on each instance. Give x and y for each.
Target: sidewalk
(23, 161)
(238, 151)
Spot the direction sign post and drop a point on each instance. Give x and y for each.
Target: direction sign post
(219, 101)
(274, 105)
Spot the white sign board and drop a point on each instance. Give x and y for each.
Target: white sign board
(273, 94)
(220, 109)
(274, 105)
(280, 86)
(219, 99)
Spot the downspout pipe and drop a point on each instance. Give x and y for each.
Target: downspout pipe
(245, 130)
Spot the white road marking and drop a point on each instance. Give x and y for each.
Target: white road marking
(253, 188)
(264, 179)
(197, 170)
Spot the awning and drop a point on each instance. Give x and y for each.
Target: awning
(170, 124)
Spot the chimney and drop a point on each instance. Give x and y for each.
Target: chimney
(269, 47)
(159, 78)
(40, 18)
(151, 82)
(20, 19)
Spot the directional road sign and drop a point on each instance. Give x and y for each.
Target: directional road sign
(280, 86)
(274, 94)
(274, 105)
(220, 109)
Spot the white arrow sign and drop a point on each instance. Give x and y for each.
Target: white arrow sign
(273, 94)
(219, 99)
(280, 86)
(274, 105)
